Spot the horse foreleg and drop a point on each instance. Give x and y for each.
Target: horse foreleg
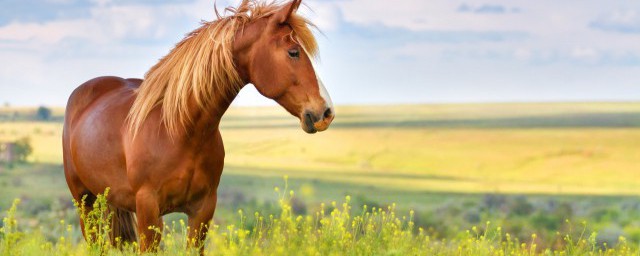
(149, 220)
(199, 219)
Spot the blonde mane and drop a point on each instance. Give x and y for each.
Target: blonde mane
(200, 68)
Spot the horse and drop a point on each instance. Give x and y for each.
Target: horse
(155, 143)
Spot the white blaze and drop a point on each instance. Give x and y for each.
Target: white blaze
(325, 95)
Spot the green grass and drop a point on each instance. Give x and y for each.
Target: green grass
(335, 229)
(46, 201)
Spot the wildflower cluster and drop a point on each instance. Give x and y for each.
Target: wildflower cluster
(334, 229)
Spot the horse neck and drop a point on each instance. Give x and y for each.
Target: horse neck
(244, 38)
(205, 123)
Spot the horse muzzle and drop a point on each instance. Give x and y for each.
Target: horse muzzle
(313, 122)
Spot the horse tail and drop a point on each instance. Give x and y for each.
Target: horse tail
(123, 225)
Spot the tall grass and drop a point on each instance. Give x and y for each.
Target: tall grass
(335, 229)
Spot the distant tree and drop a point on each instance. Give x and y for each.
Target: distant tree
(43, 113)
(22, 149)
(12, 153)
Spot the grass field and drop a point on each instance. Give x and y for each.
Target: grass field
(525, 167)
(332, 230)
(502, 148)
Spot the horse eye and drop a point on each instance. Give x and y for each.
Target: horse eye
(294, 53)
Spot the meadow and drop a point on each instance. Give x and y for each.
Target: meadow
(534, 168)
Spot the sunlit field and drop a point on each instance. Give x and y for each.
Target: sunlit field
(500, 148)
(549, 169)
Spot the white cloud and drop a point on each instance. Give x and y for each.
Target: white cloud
(108, 23)
(523, 54)
(101, 2)
(49, 33)
(63, 53)
(556, 30)
(60, 1)
(419, 15)
(325, 15)
(104, 24)
(584, 53)
(125, 38)
(622, 21)
(123, 21)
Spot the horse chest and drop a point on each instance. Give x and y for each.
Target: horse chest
(190, 187)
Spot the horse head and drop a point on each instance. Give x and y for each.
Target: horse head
(277, 60)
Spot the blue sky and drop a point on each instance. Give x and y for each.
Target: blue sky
(372, 52)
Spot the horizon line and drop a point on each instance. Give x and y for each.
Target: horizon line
(506, 102)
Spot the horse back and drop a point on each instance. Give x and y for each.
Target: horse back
(87, 93)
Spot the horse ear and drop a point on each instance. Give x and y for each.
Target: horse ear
(282, 15)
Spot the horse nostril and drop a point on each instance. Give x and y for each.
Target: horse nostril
(328, 113)
(309, 118)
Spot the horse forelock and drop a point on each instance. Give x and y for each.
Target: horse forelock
(200, 68)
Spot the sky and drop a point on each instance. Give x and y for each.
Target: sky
(371, 51)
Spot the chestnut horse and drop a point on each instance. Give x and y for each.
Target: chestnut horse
(156, 142)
